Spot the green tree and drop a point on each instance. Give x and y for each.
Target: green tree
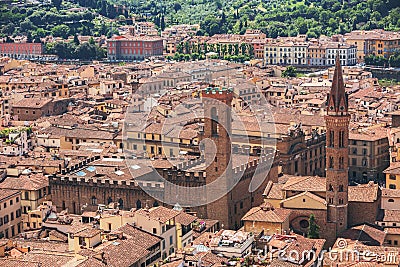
(29, 37)
(56, 3)
(26, 26)
(177, 7)
(162, 23)
(8, 29)
(313, 228)
(290, 71)
(60, 31)
(76, 40)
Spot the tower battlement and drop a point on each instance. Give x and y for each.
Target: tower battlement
(218, 93)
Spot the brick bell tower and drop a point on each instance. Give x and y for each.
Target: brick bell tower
(337, 153)
(217, 151)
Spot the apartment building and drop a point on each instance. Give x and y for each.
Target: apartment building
(368, 156)
(347, 54)
(375, 42)
(317, 55)
(34, 190)
(127, 47)
(286, 53)
(160, 221)
(10, 213)
(289, 51)
(21, 50)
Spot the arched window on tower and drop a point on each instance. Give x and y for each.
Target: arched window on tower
(121, 203)
(330, 188)
(341, 163)
(214, 121)
(93, 200)
(331, 162)
(340, 188)
(138, 204)
(331, 138)
(341, 139)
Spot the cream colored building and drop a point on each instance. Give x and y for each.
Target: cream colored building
(159, 221)
(10, 213)
(267, 220)
(35, 190)
(390, 199)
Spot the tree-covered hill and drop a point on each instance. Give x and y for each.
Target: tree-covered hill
(274, 17)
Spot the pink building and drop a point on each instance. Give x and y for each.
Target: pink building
(24, 50)
(126, 47)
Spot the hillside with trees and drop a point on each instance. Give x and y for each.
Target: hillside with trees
(274, 17)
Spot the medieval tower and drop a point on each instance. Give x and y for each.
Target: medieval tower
(337, 158)
(217, 151)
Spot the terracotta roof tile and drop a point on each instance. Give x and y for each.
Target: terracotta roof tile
(139, 236)
(260, 214)
(18, 263)
(47, 259)
(185, 219)
(25, 182)
(391, 216)
(6, 193)
(305, 183)
(365, 233)
(274, 191)
(363, 193)
(390, 192)
(160, 213)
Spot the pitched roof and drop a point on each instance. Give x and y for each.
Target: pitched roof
(160, 213)
(184, 218)
(124, 253)
(88, 232)
(6, 193)
(18, 263)
(308, 194)
(394, 168)
(47, 259)
(26, 182)
(363, 193)
(260, 214)
(390, 192)
(139, 236)
(273, 190)
(305, 183)
(366, 234)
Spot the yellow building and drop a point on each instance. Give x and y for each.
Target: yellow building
(392, 237)
(34, 218)
(374, 42)
(85, 237)
(267, 219)
(110, 222)
(317, 55)
(184, 229)
(34, 191)
(393, 176)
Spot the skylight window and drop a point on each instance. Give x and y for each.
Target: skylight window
(135, 167)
